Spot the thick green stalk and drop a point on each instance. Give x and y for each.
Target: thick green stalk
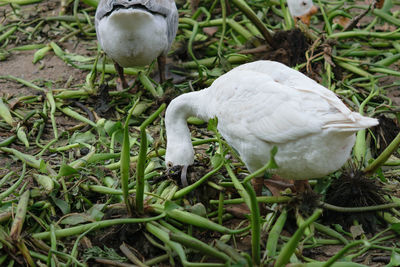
(289, 248)
(19, 219)
(142, 158)
(382, 158)
(95, 225)
(191, 187)
(242, 5)
(273, 236)
(255, 224)
(339, 254)
(125, 160)
(11, 189)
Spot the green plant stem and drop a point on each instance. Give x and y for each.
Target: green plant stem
(186, 190)
(19, 219)
(289, 248)
(358, 209)
(274, 234)
(329, 231)
(95, 225)
(339, 254)
(196, 244)
(142, 158)
(382, 158)
(242, 6)
(270, 165)
(125, 161)
(255, 224)
(15, 185)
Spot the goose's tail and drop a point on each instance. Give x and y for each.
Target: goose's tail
(353, 123)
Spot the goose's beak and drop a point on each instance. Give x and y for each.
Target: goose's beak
(307, 17)
(183, 176)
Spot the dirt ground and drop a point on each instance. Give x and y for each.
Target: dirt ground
(52, 72)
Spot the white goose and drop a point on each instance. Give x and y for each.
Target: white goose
(302, 9)
(135, 32)
(264, 104)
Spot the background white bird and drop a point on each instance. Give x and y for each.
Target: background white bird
(135, 32)
(302, 9)
(264, 104)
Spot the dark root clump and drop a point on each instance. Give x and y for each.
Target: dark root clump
(353, 189)
(292, 46)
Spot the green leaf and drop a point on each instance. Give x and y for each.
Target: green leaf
(111, 127)
(76, 219)
(66, 170)
(61, 204)
(216, 160)
(86, 137)
(212, 124)
(95, 212)
(396, 227)
(394, 259)
(169, 205)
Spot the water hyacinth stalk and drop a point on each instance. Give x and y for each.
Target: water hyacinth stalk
(273, 236)
(28, 159)
(289, 248)
(360, 147)
(39, 54)
(20, 2)
(19, 219)
(5, 113)
(15, 185)
(76, 230)
(125, 160)
(22, 136)
(140, 167)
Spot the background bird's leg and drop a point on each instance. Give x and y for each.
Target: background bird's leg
(302, 186)
(121, 75)
(161, 60)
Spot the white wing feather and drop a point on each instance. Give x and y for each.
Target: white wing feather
(276, 104)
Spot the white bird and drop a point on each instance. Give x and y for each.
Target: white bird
(264, 104)
(135, 32)
(302, 9)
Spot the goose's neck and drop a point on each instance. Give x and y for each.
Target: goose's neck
(178, 134)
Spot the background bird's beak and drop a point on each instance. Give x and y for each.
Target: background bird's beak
(307, 17)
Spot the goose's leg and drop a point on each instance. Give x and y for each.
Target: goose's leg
(302, 186)
(161, 60)
(121, 75)
(258, 183)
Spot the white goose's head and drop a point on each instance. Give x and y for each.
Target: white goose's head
(179, 150)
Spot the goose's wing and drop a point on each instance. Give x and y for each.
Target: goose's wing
(252, 103)
(166, 8)
(287, 76)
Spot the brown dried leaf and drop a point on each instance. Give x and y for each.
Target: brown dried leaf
(343, 21)
(356, 231)
(210, 31)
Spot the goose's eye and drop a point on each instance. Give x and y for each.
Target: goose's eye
(169, 164)
(304, 3)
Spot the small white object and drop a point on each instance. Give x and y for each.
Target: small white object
(264, 104)
(299, 8)
(135, 32)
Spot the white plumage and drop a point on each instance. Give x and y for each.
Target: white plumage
(264, 104)
(302, 9)
(299, 7)
(135, 32)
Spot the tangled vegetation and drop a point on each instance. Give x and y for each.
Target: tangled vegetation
(82, 175)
